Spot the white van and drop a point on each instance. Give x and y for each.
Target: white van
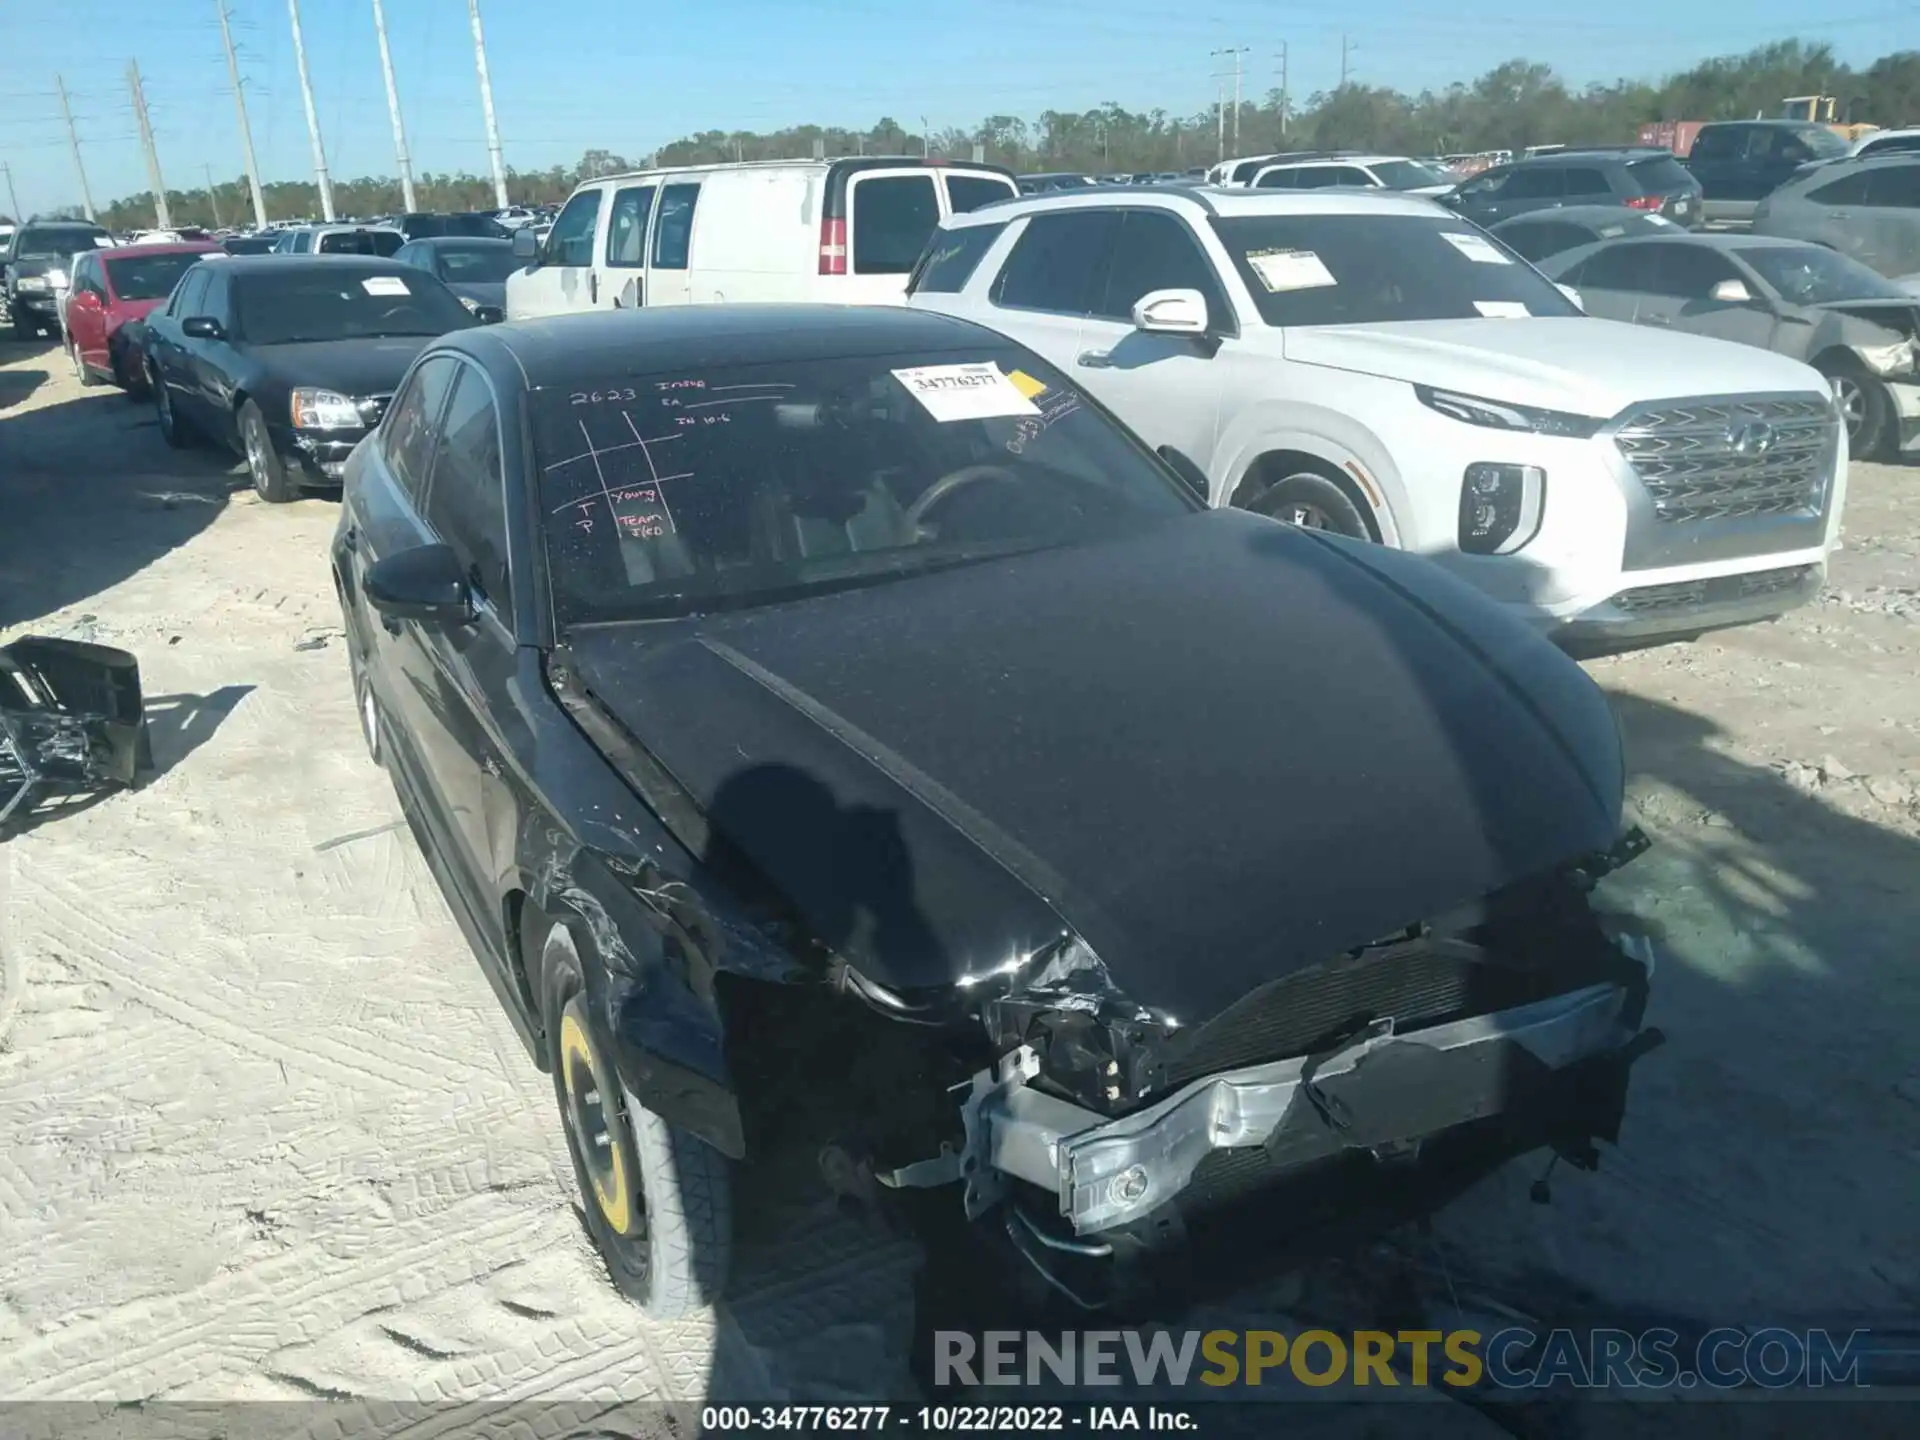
(780, 230)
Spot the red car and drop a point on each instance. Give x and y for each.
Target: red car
(110, 289)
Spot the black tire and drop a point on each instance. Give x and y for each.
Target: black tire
(1312, 502)
(659, 1206)
(175, 431)
(81, 373)
(373, 723)
(1867, 406)
(131, 378)
(271, 482)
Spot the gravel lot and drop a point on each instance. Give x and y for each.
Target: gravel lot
(265, 1133)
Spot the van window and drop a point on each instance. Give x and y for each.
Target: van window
(951, 258)
(893, 215)
(970, 192)
(627, 226)
(570, 242)
(673, 232)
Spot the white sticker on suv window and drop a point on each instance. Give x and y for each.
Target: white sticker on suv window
(384, 285)
(1503, 309)
(1475, 247)
(977, 391)
(1290, 270)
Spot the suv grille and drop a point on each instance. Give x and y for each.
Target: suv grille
(1729, 459)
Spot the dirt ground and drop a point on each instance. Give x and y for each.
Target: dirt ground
(265, 1133)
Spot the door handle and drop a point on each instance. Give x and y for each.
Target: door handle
(593, 287)
(1095, 359)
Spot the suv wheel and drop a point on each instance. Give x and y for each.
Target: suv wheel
(1312, 502)
(658, 1202)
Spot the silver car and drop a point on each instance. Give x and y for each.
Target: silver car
(1804, 301)
(1868, 210)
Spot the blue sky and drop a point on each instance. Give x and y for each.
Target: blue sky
(628, 76)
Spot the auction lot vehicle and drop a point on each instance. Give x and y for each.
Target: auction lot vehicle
(1374, 365)
(767, 689)
(476, 270)
(1740, 162)
(1541, 233)
(289, 361)
(1650, 181)
(111, 289)
(1384, 172)
(835, 230)
(1867, 210)
(1855, 327)
(35, 263)
(1885, 142)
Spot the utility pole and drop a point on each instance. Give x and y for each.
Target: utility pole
(1236, 53)
(926, 138)
(1219, 105)
(393, 109)
(14, 199)
(313, 115)
(486, 104)
(73, 139)
(246, 130)
(1283, 92)
(1346, 49)
(161, 216)
(213, 195)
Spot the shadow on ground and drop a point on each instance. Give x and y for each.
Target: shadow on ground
(92, 495)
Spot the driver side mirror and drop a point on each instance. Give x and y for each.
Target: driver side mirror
(1191, 475)
(427, 583)
(203, 327)
(1171, 312)
(526, 246)
(1731, 292)
(489, 314)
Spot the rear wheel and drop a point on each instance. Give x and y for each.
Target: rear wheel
(1311, 501)
(658, 1202)
(271, 482)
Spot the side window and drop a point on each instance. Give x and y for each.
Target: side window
(1715, 142)
(1542, 182)
(1587, 181)
(1057, 262)
(1623, 267)
(1792, 149)
(215, 301)
(1538, 241)
(892, 217)
(1848, 190)
(407, 431)
(1894, 186)
(1318, 177)
(1156, 251)
(193, 289)
(970, 192)
(1351, 175)
(673, 231)
(303, 242)
(1487, 184)
(466, 503)
(1278, 180)
(570, 242)
(627, 226)
(1892, 145)
(951, 257)
(1686, 272)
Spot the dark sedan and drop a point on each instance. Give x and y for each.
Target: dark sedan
(831, 728)
(289, 360)
(1544, 233)
(474, 269)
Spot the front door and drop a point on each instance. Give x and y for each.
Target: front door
(1678, 295)
(564, 280)
(1049, 284)
(1166, 387)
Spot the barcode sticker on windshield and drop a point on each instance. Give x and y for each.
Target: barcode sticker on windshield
(978, 391)
(1281, 270)
(1475, 247)
(1503, 309)
(384, 285)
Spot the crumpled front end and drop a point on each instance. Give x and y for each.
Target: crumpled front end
(71, 719)
(1106, 1130)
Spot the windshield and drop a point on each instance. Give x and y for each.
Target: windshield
(749, 485)
(1823, 142)
(324, 303)
(361, 242)
(1815, 275)
(476, 264)
(55, 242)
(1408, 174)
(148, 277)
(1374, 269)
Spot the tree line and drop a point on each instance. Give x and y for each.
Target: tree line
(1515, 104)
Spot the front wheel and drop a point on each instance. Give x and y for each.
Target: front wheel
(173, 429)
(1866, 408)
(1313, 502)
(658, 1201)
(80, 370)
(271, 482)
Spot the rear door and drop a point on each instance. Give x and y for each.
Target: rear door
(563, 280)
(891, 214)
(1534, 187)
(1611, 281)
(87, 313)
(624, 252)
(1891, 219)
(669, 278)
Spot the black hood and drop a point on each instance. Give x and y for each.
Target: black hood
(482, 293)
(355, 368)
(1219, 752)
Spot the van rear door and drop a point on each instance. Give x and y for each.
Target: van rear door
(890, 213)
(970, 189)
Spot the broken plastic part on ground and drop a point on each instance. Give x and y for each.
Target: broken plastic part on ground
(71, 720)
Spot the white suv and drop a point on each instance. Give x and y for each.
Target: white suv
(1374, 365)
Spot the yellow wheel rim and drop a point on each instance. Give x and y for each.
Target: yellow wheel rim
(604, 1165)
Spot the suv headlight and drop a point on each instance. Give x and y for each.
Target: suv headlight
(324, 410)
(31, 282)
(1500, 415)
(1500, 507)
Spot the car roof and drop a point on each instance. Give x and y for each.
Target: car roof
(434, 242)
(171, 247)
(1585, 215)
(1895, 132)
(562, 350)
(286, 264)
(1224, 201)
(1588, 154)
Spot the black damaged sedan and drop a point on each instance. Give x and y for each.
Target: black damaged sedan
(832, 729)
